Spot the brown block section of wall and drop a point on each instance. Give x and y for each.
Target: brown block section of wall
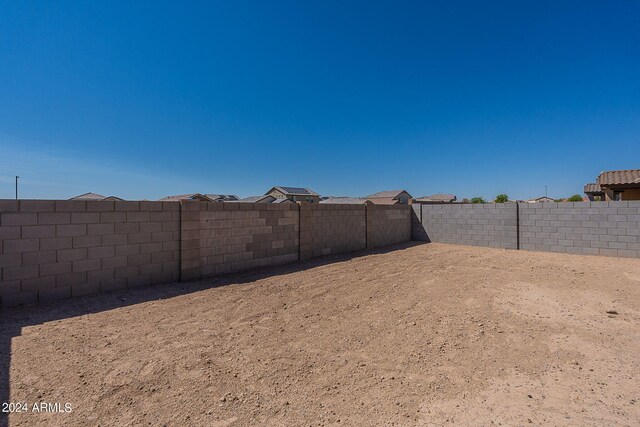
(370, 212)
(190, 231)
(219, 238)
(38, 231)
(54, 294)
(388, 225)
(36, 205)
(56, 249)
(305, 231)
(7, 206)
(336, 229)
(70, 206)
(13, 299)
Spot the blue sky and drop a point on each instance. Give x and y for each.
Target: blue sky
(143, 100)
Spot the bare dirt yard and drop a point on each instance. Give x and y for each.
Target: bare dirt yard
(423, 335)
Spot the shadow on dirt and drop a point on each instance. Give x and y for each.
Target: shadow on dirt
(12, 320)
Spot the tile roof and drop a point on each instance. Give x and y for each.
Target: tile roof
(223, 197)
(344, 200)
(294, 191)
(630, 176)
(383, 200)
(592, 188)
(387, 193)
(88, 196)
(179, 197)
(257, 199)
(263, 199)
(94, 196)
(200, 196)
(438, 198)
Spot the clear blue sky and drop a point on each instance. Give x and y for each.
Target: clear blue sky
(145, 99)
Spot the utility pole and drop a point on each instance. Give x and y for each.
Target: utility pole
(17, 186)
(545, 191)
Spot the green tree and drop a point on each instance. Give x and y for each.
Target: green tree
(477, 200)
(465, 200)
(575, 198)
(501, 198)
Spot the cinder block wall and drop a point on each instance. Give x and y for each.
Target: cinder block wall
(388, 225)
(336, 228)
(491, 225)
(418, 231)
(596, 228)
(58, 249)
(220, 238)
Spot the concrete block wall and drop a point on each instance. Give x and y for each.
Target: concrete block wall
(53, 249)
(490, 225)
(388, 225)
(335, 229)
(220, 238)
(595, 228)
(418, 231)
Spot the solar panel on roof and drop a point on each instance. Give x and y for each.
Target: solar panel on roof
(296, 190)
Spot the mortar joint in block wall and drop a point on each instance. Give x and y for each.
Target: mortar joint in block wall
(101, 246)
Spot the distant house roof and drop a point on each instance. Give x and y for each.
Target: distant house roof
(383, 201)
(387, 194)
(201, 197)
(262, 199)
(257, 199)
(294, 191)
(592, 188)
(95, 196)
(344, 200)
(277, 201)
(437, 198)
(621, 177)
(190, 196)
(223, 197)
(88, 196)
(541, 199)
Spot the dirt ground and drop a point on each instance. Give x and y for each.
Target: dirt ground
(424, 335)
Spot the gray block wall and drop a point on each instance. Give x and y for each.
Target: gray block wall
(594, 228)
(491, 225)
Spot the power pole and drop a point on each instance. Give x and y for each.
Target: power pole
(545, 191)
(17, 186)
